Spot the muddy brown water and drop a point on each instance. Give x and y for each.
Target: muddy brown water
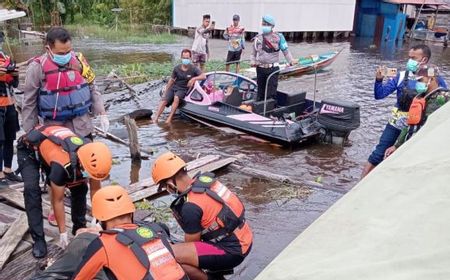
(275, 222)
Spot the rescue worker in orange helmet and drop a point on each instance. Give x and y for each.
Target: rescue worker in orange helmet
(69, 161)
(217, 236)
(123, 249)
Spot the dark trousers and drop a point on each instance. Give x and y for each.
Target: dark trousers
(262, 74)
(78, 204)
(9, 125)
(387, 139)
(29, 169)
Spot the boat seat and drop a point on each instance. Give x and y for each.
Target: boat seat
(258, 106)
(297, 108)
(290, 98)
(233, 97)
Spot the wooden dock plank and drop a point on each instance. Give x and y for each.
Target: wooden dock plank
(12, 237)
(190, 165)
(212, 166)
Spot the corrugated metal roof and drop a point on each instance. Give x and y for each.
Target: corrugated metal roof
(10, 14)
(416, 2)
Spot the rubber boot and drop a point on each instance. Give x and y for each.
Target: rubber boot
(39, 249)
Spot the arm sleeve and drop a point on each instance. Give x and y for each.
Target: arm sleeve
(201, 30)
(191, 216)
(197, 71)
(402, 137)
(284, 48)
(93, 261)
(442, 83)
(30, 96)
(174, 73)
(382, 90)
(253, 55)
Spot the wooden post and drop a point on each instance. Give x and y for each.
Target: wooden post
(135, 151)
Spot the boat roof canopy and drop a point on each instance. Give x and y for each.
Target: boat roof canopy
(417, 2)
(10, 14)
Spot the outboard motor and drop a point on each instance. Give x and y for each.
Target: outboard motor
(338, 119)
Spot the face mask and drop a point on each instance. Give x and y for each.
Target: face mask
(61, 59)
(412, 65)
(185, 61)
(421, 87)
(266, 29)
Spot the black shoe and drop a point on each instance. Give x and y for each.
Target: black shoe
(39, 249)
(12, 176)
(3, 183)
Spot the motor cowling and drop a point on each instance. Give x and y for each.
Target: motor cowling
(338, 118)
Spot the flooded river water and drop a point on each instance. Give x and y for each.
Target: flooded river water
(275, 221)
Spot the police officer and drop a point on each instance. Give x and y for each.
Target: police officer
(68, 161)
(59, 88)
(266, 56)
(9, 122)
(217, 236)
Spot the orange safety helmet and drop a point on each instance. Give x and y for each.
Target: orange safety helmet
(166, 166)
(111, 202)
(96, 159)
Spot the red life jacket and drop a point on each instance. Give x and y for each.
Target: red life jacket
(149, 245)
(64, 93)
(6, 79)
(221, 219)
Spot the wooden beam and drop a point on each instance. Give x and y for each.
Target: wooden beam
(12, 237)
(284, 179)
(153, 190)
(190, 165)
(16, 198)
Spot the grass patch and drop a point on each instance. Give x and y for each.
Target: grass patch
(136, 73)
(125, 33)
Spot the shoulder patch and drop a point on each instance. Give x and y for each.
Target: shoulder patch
(144, 232)
(76, 140)
(205, 179)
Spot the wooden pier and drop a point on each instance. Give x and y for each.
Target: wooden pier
(16, 260)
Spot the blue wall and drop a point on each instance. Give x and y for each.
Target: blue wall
(394, 22)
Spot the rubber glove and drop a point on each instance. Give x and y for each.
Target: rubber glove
(63, 240)
(104, 122)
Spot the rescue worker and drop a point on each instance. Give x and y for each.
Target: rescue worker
(235, 36)
(60, 90)
(266, 56)
(430, 97)
(183, 78)
(217, 236)
(68, 161)
(126, 250)
(200, 49)
(9, 122)
(404, 86)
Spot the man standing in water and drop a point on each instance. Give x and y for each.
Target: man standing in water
(404, 84)
(183, 78)
(266, 56)
(200, 50)
(235, 36)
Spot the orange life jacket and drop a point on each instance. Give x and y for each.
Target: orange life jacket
(6, 79)
(57, 144)
(149, 246)
(223, 211)
(416, 111)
